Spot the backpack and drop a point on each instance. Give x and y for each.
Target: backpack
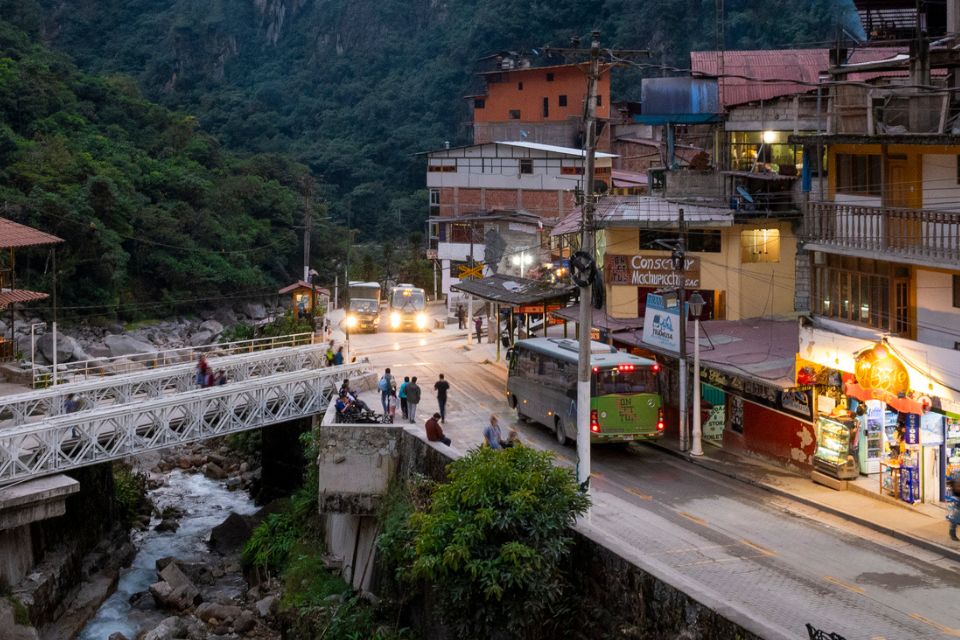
(384, 384)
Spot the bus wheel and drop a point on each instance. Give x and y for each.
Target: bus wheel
(512, 401)
(559, 431)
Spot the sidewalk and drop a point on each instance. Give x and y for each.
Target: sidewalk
(922, 525)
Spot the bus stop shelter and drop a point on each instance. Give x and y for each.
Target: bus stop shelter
(519, 295)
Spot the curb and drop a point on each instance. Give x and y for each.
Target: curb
(923, 543)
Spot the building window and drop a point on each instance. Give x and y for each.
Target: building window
(704, 241)
(546, 107)
(956, 291)
(514, 114)
(562, 101)
(855, 290)
(760, 245)
(599, 99)
(519, 86)
(571, 171)
(442, 166)
(958, 169)
(526, 165)
(434, 197)
(479, 103)
(549, 77)
(858, 175)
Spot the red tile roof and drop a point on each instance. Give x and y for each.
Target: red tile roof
(800, 65)
(14, 235)
(11, 296)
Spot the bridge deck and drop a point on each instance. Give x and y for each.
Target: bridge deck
(85, 438)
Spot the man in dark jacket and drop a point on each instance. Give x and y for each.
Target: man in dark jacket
(435, 432)
(441, 386)
(413, 399)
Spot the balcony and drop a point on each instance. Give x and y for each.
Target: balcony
(914, 236)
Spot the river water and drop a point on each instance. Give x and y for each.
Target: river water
(205, 504)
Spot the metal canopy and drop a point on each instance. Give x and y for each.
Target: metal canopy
(514, 291)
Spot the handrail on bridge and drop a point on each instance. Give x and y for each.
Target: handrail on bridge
(42, 375)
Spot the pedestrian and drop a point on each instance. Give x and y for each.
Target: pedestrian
(434, 432)
(202, 370)
(413, 399)
(71, 405)
(461, 317)
(953, 516)
(221, 378)
(513, 440)
(492, 437)
(330, 354)
(392, 403)
(441, 386)
(478, 324)
(385, 385)
(402, 394)
(338, 356)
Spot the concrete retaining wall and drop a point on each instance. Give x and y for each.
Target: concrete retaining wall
(620, 596)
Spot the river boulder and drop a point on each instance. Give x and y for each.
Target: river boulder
(168, 629)
(65, 346)
(214, 612)
(124, 345)
(175, 590)
(230, 534)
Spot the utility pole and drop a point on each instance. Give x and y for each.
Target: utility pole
(307, 226)
(587, 243)
(680, 266)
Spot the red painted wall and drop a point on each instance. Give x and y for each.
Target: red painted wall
(504, 96)
(773, 436)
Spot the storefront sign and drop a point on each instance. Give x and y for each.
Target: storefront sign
(650, 270)
(736, 414)
(881, 374)
(661, 326)
(912, 428)
(931, 429)
(795, 402)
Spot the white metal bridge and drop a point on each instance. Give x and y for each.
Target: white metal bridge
(153, 383)
(62, 442)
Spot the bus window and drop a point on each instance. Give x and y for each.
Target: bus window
(610, 381)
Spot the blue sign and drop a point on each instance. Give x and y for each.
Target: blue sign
(912, 433)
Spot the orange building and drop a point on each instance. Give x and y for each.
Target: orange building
(538, 104)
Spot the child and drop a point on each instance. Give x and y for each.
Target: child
(392, 403)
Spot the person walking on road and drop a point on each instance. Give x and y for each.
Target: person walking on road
(402, 394)
(461, 317)
(413, 399)
(435, 432)
(385, 385)
(492, 436)
(478, 325)
(954, 514)
(338, 356)
(441, 386)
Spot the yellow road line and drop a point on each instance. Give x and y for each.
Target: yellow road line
(846, 585)
(757, 547)
(597, 475)
(639, 494)
(693, 518)
(936, 625)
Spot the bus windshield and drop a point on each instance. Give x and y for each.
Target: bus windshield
(610, 381)
(409, 299)
(364, 306)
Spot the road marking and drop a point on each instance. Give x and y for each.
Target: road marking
(639, 494)
(846, 585)
(756, 547)
(597, 475)
(693, 518)
(936, 625)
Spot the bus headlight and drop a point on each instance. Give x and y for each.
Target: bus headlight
(395, 320)
(351, 322)
(421, 320)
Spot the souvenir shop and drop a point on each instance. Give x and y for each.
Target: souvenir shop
(878, 424)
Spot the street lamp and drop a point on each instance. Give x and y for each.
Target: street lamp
(696, 308)
(523, 259)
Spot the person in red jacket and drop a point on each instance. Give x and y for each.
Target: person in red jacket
(435, 432)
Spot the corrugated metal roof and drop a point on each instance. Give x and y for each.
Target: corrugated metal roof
(646, 211)
(14, 235)
(802, 66)
(570, 151)
(300, 284)
(11, 296)
(514, 291)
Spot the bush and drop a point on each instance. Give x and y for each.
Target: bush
(130, 492)
(492, 543)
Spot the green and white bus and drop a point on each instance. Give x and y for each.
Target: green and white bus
(625, 401)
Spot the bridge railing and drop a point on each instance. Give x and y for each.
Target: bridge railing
(96, 392)
(118, 365)
(91, 437)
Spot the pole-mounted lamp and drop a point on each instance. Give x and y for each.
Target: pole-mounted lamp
(696, 308)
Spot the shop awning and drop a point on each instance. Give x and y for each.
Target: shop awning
(513, 291)
(300, 284)
(16, 296)
(600, 319)
(759, 349)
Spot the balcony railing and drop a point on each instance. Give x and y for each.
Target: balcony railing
(917, 235)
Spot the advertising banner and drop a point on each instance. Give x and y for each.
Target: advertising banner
(661, 326)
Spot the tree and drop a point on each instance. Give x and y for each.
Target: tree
(493, 542)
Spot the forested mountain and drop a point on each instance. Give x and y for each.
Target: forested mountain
(152, 209)
(352, 88)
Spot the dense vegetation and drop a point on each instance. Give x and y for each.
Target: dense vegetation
(354, 88)
(491, 543)
(153, 210)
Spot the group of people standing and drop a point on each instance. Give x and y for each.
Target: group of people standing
(407, 395)
(462, 322)
(206, 376)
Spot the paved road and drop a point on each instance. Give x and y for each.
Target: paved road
(765, 558)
